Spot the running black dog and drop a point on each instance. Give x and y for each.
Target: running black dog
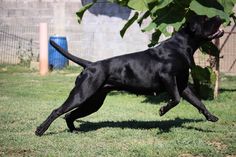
(162, 68)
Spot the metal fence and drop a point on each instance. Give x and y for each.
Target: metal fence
(228, 54)
(227, 47)
(17, 45)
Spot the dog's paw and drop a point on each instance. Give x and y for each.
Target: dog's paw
(70, 125)
(39, 131)
(162, 111)
(72, 129)
(75, 131)
(212, 118)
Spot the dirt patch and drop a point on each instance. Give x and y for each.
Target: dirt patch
(218, 145)
(3, 69)
(15, 152)
(187, 155)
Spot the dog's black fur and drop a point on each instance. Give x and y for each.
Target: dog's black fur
(162, 68)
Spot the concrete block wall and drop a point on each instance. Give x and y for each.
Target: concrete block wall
(96, 38)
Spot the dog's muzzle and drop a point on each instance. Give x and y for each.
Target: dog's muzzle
(217, 34)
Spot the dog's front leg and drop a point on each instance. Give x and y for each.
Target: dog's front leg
(195, 101)
(170, 84)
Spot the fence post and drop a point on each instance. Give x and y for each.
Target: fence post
(217, 70)
(43, 46)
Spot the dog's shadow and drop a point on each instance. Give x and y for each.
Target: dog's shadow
(164, 126)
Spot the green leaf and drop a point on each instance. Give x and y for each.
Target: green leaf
(228, 5)
(172, 15)
(120, 2)
(234, 18)
(151, 1)
(159, 5)
(129, 23)
(150, 27)
(205, 79)
(81, 12)
(144, 16)
(210, 48)
(183, 3)
(201, 74)
(163, 29)
(177, 25)
(139, 5)
(155, 38)
(210, 8)
(212, 76)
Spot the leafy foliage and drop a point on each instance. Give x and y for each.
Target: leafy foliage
(175, 13)
(205, 75)
(210, 48)
(81, 12)
(129, 23)
(206, 79)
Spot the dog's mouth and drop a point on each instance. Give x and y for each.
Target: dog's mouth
(219, 33)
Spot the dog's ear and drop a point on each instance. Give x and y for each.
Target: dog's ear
(192, 24)
(195, 22)
(192, 27)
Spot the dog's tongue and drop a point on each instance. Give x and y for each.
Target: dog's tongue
(217, 34)
(220, 33)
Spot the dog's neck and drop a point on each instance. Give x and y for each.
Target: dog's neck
(191, 44)
(189, 40)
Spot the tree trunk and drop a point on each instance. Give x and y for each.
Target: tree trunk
(217, 70)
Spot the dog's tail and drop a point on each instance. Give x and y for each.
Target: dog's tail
(82, 62)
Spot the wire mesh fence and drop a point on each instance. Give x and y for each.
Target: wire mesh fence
(227, 53)
(18, 45)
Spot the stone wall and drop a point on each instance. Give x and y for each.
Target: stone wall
(97, 37)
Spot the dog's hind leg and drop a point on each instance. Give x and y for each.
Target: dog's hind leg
(188, 95)
(170, 84)
(88, 107)
(86, 85)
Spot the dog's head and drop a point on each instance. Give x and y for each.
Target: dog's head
(205, 28)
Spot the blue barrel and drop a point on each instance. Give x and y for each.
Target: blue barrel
(56, 60)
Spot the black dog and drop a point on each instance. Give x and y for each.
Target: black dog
(162, 68)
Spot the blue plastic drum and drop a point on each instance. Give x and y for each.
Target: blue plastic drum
(56, 60)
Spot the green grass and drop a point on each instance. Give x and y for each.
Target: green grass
(126, 125)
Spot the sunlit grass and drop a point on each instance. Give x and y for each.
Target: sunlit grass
(126, 125)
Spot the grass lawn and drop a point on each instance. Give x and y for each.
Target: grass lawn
(126, 125)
